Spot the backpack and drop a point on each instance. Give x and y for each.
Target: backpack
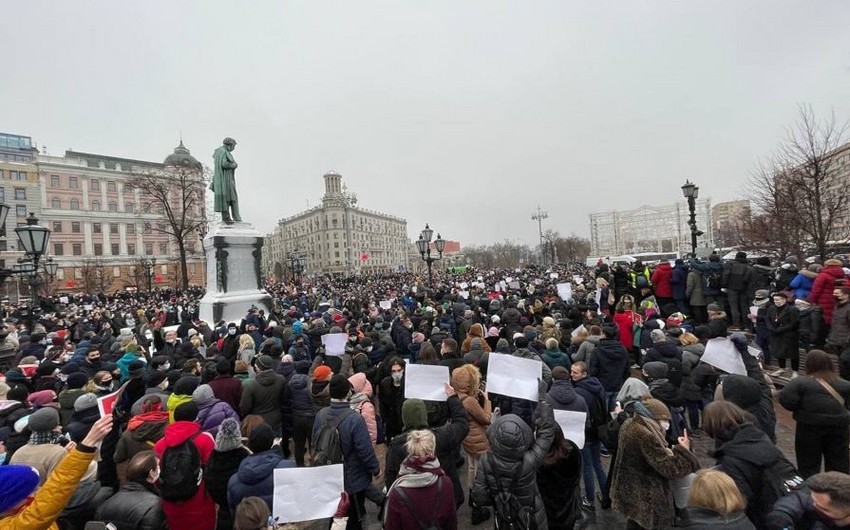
(599, 417)
(412, 510)
(780, 479)
(510, 513)
(180, 471)
(641, 280)
(713, 280)
(327, 448)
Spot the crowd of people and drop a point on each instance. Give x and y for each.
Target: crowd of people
(205, 412)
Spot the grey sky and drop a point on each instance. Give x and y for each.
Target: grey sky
(465, 114)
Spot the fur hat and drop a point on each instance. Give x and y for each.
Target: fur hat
(322, 373)
(834, 262)
(228, 436)
(339, 387)
(85, 402)
(44, 420)
(657, 409)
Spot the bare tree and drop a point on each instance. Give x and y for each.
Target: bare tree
(136, 275)
(93, 275)
(178, 193)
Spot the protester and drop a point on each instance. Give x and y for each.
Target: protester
(715, 502)
(137, 503)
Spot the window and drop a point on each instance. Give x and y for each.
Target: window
(131, 249)
(77, 249)
(128, 207)
(95, 206)
(57, 226)
(164, 269)
(113, 228)
(21, 210)
(95, 185)
(78, 273)
(20, 194)
(22, 175)
(148, 248)
(55, 203)
(2, 194)
(163, 248)
(147, 208)
(95, 227)
(3, 248)
(60, 274)
(54, 181)
(116, 272)
(113, 206)
(110, 186)
(72, 182)
(147, 228)
(116, 249)
(58, 249)
(98, 249)
(75, 204)
(75, 227)
(131, 230)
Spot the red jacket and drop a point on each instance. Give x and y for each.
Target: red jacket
(625, 322)
(822, 289)
(199, 512)
(427, 507)
(661, 280)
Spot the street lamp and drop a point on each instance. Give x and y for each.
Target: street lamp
(50, 270)
(149, 265)
(423, 244)
(296, 264)
(691, 192)
(33, 239)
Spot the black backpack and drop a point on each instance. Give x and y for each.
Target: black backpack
(180, 471)
(412, 510)
(327, 447)
(713, 280)
(510, 513)
(780, 479)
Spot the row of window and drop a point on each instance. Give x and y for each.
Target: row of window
(115, 248)
(20, 194)
(112, 206)
(97, 228)
(14, 175)
(74, 183)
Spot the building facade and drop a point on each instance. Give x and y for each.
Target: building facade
(657, 229)
(725, 219)
(338, 237)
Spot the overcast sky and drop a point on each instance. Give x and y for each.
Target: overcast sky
(465, 114)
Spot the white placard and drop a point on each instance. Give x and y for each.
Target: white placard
(565, 291)
(463, 294)
(334, 343)
(576, 331)
(519, 270)
(464, 285)
(754, 310)
(504, 285)
(481, 278)
(424, 381)
(755, 352)
(508, 279)
(63, 299)
(721, 354)
(497, 287)
(553, 275)
(87, 307)
(578, 279)
(306, 493)
(572, 424)
(386, 304)
(514, 285)
(514, 376)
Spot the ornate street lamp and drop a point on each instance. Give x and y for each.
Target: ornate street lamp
(691, 193)
(33, 239)
(296, 264)
(149, 265)
(423, 244)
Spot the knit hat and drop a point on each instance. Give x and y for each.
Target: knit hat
(42, 397)
(70, 368)
(656, 370)
(322, 373)
(261, 438)
(46, 368)
(632, 390)
(44, 420)
(18, 393)
(339, 387)
(657, 409)
(493, 331)
(414, 415)
(476, 344)
(156, 378)
(657, 336)
(203, 395)
(222, 366)
(559, 372)
(418, 338)
(77, 380)
(287, 359)
(135, 368)
(187, 411)
(495, 319)
(228, 436)
(265, 362)
(714, 307)
(503, 346)
(16, 484)
(85, 402)
(185, 386)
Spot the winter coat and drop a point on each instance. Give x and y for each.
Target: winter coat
(691, 355)
(668, 353)
(812, 404)
(427, 507)
(66, 401)
(361, 402)
(797, 510)
(592, 391)
(554, 358)
(585, 350)
(300, 398)
(221, 466)
(679, 281)
(264, 396)
(704, 270)
(762, 278)
(743, 453)
(143, 431)
(839, 331)
(448, 438)
(625, 324)
(479, 358)
(562, 396)
(811, 326)
(661, 280)
(516, 452)
(212, 413)
(694, 292)
(643, 470)
(610, 364)
(390, 400)
(44, 458)
(360, 463)
(478, 416)
(718, 324)
(228, 389)
(783, 323)
(704, 519)
(802, 284)
(255, 477)
(558, 483)
(823, 287)
(134, 507)
(738, 275)
(476, 331)
(320, 394)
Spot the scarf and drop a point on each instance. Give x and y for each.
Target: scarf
(416, 472)
(153, 416)
(44, 437)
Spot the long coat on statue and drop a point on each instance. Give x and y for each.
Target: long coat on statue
(223, 182)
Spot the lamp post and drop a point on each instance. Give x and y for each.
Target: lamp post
(691, 193)
(33, 239)
(296, 264)
(50, 269)
(149, 265)
(424, 246)
(539, 216)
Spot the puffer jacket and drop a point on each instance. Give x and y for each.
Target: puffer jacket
(610, 364)
(361, 402)
(823, 287)
(691, 355)
(255, 477)
(476, 331)
(143, 431)
(134, 506)
(661, 279)
(562, 396)
(81, 422)
(802, 283)
(679, 281)
(516, 452)
(320, 394)
(221, 466)
(554, 358)
(264, 396)
(479, 416)
(300, 399)
(212, 413)
(811, 404)
(738, 275)
(668, 353)
(361, 464)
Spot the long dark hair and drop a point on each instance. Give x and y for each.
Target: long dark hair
(560, 450)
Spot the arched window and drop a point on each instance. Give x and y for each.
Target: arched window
(75, 204)
(95, 206)
(56, 203)
(113, 206)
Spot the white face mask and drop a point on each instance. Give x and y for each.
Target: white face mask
(166, 367)
(231, 331)
(665, 425)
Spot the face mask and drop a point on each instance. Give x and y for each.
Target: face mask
(149, 335)
(369, 348)
(131, 322)
(397, 376)
(779, 303)
(3, 458)
(163, 385)
(231, 331)
(665, 425)
(166, 366)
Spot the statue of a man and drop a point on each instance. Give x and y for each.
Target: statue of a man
(224, 182)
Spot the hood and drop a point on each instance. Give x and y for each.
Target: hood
(321, 388)
(808, 274)
(664, 266)
(594, 339)
(256, 468)
(67, 398)
(476, 331)
(360, 384)
(835, 271)
(149, 430)
(266, 377)
(592, 385)
(562, 393)
(510, 437)
(179, 431)
(299, 382)
(139, 420)
(750, 444)
(697, 349)
(286, 369)
(741, 390)
(666, 349)
(462, 381)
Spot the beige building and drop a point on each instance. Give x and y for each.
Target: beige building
(725, 217)
(338, 237)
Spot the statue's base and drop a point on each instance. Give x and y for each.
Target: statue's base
(234, 281)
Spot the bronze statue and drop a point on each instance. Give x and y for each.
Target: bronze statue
(224, 182)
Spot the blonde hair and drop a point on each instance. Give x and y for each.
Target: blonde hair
(421, 443)
(716, 491)
(246, 341)
(687, 339)
(551, 344)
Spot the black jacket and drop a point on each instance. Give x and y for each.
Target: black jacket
(610, 364)
(738, 275)
(783, 323)
(559, 487)
(220, 467)
(668, 353)
(134, 507)
(705, 519)
(301, 402)
(811, 404)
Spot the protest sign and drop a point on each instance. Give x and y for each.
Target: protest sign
(565, 291)
(306, 493)
(573, 424)
(106, 404)
(514, 376)
(423, 381)
(721, 354)
(386, 304)
(334, 343)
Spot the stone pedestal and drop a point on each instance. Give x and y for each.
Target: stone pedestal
(234, 283)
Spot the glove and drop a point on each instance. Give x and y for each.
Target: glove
(344, 504)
